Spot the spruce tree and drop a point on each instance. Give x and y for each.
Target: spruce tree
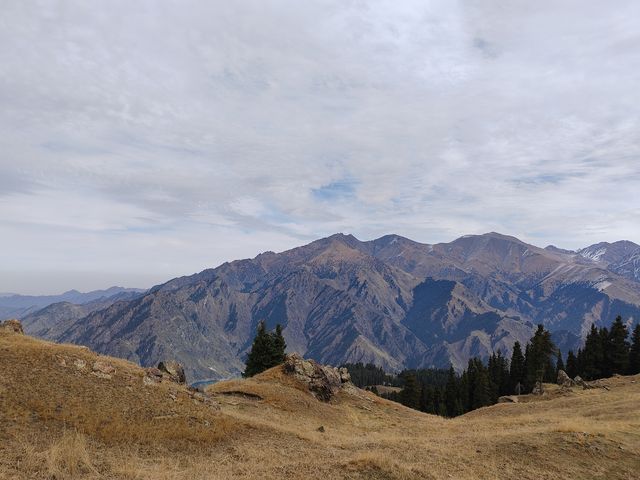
(592, 355)
(606, 367)
(572, 364)
(278, 346)
(538, 359)
(410, 394)
(451, 395)
(559, 363)
(267, 351)
(517, 368)
(479, 387)
(634, 352)
(618, 347)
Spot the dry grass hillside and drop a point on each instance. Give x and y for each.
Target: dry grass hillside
(61, 419)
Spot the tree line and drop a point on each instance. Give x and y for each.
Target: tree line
(444, 392)
(606, 352)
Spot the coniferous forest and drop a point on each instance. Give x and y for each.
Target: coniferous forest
(607, 351)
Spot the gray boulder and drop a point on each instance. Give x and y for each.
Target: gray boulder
(173, 370)
(322, 381)
(564, 380)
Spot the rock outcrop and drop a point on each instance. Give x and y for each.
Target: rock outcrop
(12, 325)
(564, 380)
(508, 399)
(168, 370)
(538, 389)
(322, 381)
(582, 383)
(174, 370)
(102, 369)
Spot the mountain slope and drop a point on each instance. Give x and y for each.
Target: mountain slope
(390, 301)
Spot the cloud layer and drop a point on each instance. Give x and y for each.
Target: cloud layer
(144, 140)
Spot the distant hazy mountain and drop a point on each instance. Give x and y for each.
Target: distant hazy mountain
(391, 301)
(18, 306)
(57, 317)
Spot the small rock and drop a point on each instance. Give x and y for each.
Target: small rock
(152, 376)
(106, 376)
(508, 399)
(321, 428)
(538, 389)
(79, 363)
(103, 367)
(345, 376)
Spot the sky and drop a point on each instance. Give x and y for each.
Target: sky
(146, 140)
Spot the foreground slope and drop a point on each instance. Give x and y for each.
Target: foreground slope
(58, 420)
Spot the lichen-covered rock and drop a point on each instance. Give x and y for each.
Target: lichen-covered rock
(12, 325)
(579, 381)
(173, 370)
(322, 381)
(152, 376)
(79, 364)
(538, 389)
(564, 380)
(103, 367)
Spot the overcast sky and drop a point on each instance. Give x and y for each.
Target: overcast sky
(146, 140)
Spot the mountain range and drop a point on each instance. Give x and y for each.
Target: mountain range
(390, 301)
(19, 306)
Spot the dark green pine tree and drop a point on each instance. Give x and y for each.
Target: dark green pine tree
(559, 363)
(261, 352)
(479, 385)
(517, 368)
(634, 352)
(572, 364)
(580, 362)
(607, 365)
(267, 351)
(410, 394)
(538, 359)
(618, 347)
(452, 395)
(278, 346)
(592, 355)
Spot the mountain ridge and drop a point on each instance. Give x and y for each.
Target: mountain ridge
(390, 301)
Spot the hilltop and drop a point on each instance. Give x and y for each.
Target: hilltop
(60, 414)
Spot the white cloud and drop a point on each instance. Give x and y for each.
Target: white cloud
(136, 136)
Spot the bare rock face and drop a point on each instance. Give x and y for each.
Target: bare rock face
(323, 381)
(12, 325)
(173, 370)
(564, 380)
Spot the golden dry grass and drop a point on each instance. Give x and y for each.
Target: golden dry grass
(267, 427)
